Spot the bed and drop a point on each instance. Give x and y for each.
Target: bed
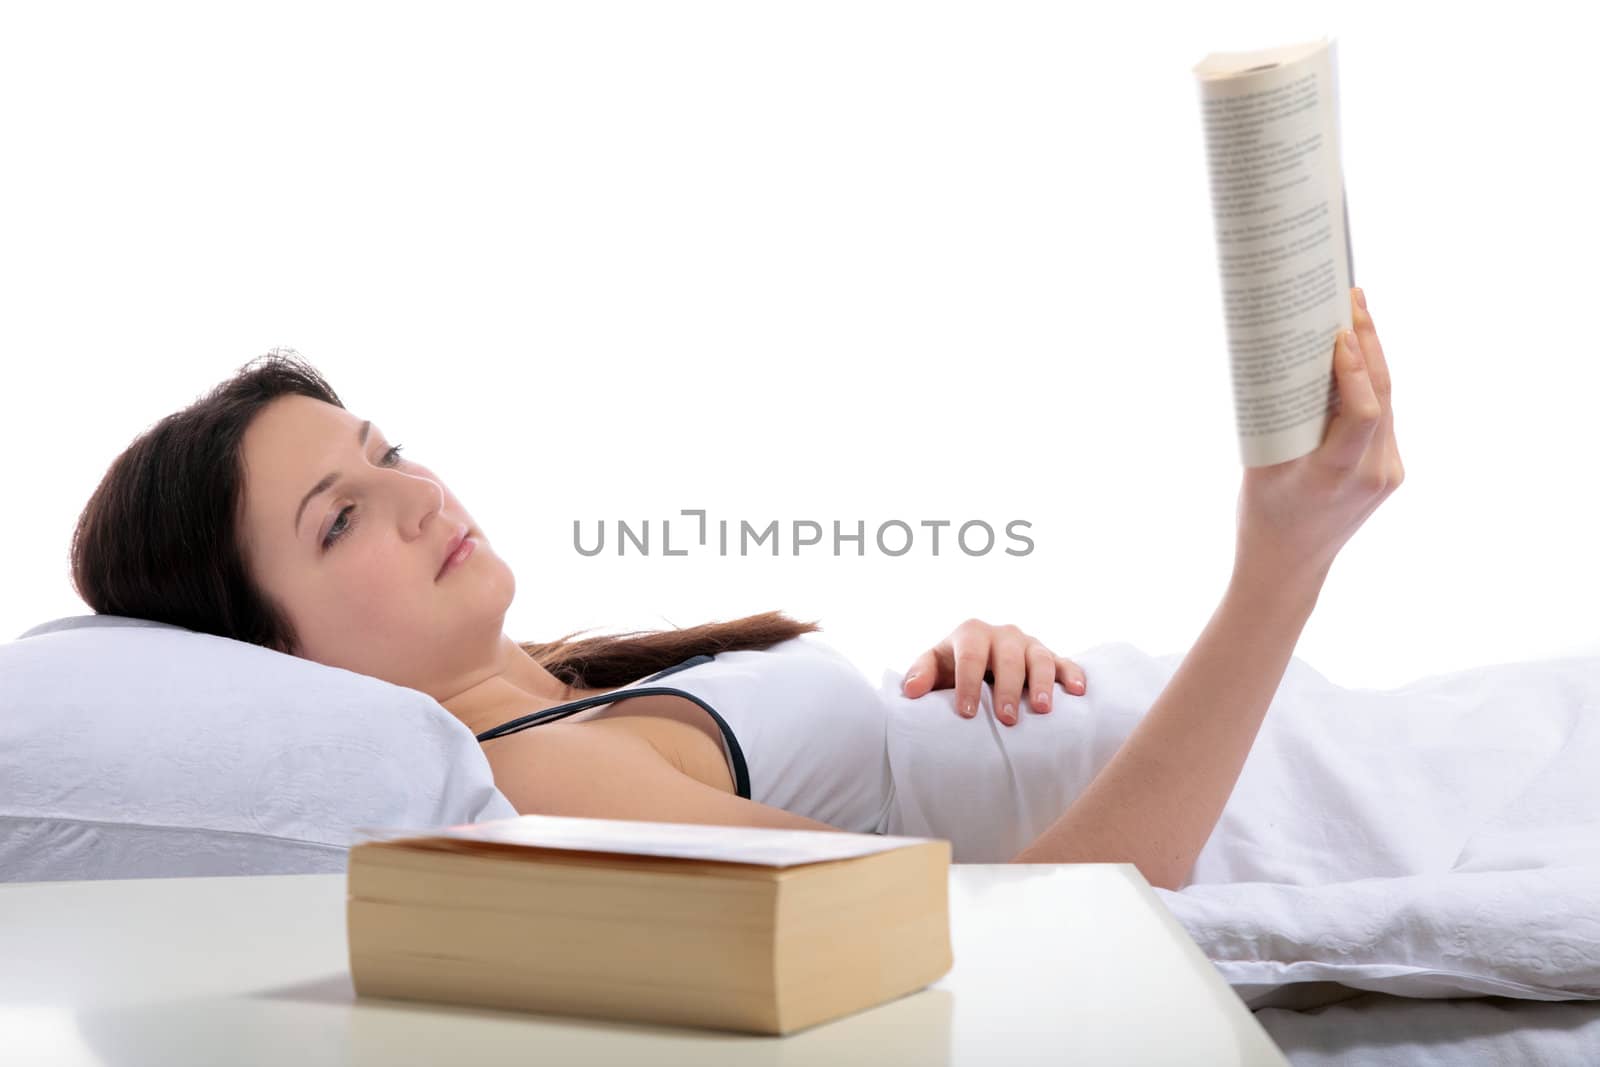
(1452, 916)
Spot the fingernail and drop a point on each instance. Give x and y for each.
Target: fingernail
(1079, 684)
(969, 709)
(1361, 298)
(1043, 700)
(1008, 714)
(912, 677)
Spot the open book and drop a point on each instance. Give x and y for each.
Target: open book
(1283, 238)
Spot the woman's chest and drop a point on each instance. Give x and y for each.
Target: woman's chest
(679, 729)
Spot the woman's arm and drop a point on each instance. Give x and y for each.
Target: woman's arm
(1157, 801)
(602, 770)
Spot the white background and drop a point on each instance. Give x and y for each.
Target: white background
(827, 261)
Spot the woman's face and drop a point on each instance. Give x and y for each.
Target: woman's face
(355, 570)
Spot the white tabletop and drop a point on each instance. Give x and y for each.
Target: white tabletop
(1054, 963)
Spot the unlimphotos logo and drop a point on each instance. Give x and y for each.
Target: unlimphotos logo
(893, 537)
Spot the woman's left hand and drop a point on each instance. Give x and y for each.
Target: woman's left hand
(973, 650)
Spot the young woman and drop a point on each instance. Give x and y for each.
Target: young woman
(266, 512)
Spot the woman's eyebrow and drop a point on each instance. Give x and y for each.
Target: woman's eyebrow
(328, 480)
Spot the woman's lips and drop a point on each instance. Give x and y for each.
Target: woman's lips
(458, 557)
(456, 541)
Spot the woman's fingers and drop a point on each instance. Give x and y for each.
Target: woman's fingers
(1360, 412)
(1010, 666)
(1371, 347)
(922, 674)
(1042, 670)
(1071, 676)
(972, 660)
(1382, 384)
(1017, 667)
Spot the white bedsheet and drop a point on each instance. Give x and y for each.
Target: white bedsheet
(1376, 1030)
(1439, 838)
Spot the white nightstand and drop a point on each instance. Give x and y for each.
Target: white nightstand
(1054, 963)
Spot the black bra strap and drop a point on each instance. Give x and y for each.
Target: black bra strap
(572, 707)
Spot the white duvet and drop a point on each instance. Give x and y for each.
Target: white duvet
(1437, 839)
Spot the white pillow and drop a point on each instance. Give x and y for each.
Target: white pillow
(138, 749)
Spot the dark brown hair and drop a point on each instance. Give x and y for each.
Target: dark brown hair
(160, 539)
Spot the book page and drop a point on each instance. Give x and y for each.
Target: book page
(1283, 247)
(768, 846)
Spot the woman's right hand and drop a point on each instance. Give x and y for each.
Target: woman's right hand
(1294, 517)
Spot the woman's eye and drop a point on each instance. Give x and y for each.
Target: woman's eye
(336, 531)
